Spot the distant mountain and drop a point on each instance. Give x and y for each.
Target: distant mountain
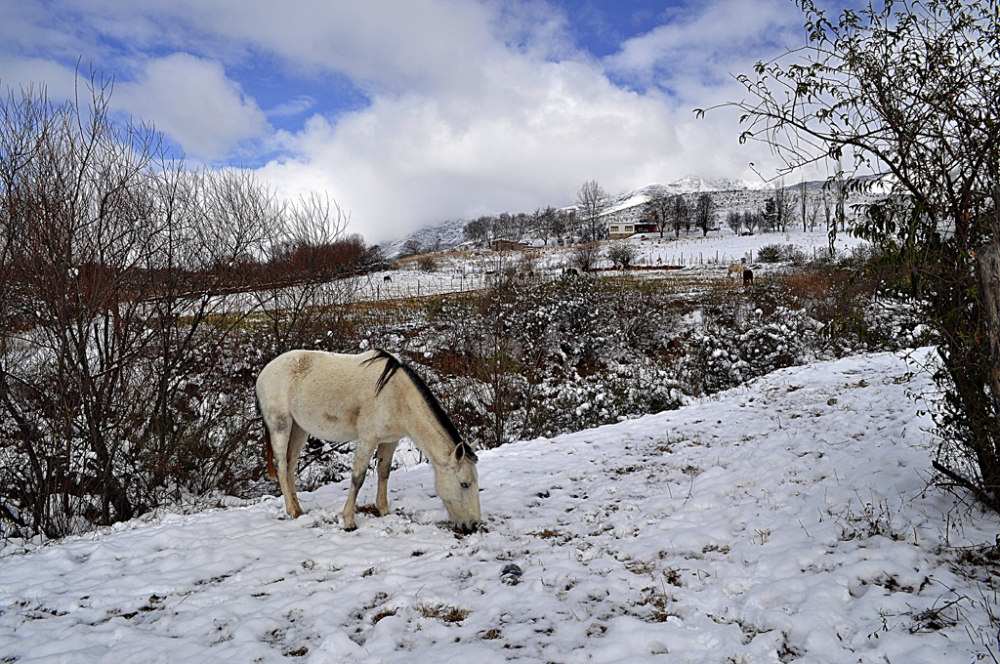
(444, 236)
(693, 184)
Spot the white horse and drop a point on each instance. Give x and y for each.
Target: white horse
(736, 270)
(360, 397)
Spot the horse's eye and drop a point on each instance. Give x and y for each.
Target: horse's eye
(465, 485)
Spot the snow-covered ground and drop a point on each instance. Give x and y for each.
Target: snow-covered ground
(787, 520)
(721, 248)
(711, 255)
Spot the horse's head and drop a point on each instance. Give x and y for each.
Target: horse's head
(458, 485)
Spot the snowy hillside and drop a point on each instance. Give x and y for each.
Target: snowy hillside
(788, 520)
(728, 194)
(444, 236)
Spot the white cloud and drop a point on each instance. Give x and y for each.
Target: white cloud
(34, 74)
(192, 101)
(699, 50)
(401, 45)
(527, 133)
(534, 135)
(475, 106)
(291, 108)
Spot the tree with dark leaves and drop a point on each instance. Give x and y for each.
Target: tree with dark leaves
(907, 92)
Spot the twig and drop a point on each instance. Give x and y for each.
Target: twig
(981, 494)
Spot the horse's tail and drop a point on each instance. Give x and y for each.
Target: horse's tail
(268, 450)
(269, 454)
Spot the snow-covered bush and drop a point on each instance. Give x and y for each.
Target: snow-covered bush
(781, 253)
(785, 321)
(530, 358)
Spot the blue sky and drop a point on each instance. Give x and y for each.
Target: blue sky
(409, 112)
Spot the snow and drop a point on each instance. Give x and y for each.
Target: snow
(722, 247)
(787, 520)
(711, 255)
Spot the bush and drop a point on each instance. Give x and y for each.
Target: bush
(622, 255)
(790, 320)
(527, 359)
(781, 253)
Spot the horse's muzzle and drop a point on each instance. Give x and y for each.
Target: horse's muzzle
(469, 528)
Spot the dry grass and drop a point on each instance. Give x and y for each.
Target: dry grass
(548, 534)
(443, 612)
(381, 615)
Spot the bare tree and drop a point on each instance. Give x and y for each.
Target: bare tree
(120, 274)
(783, 206)
(705, 213)
(735, 221)
(592, 201)
(560, 224)
(659, 208)
(506, 227)
(412, 247)
(540, 221)
(680, 215)
(305, 283)
(584, 256)
(478, 230)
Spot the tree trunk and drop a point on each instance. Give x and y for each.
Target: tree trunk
(989, 279)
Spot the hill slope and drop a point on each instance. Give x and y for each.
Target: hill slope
(785, 521)
(627, 207)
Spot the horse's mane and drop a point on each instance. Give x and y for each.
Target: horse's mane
(392, 365)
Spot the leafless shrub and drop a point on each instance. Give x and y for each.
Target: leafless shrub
(622, 255)
(124, 356)
(585, 256)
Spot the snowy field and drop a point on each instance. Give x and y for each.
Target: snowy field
(788, 520)
(706, 256)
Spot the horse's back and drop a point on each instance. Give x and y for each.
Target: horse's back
(330, 395)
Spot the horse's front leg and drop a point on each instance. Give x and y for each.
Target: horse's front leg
(385, 452)
(363, 452)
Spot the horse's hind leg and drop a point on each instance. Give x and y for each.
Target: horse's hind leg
(362, 455)
(282, 435)
(296, 441)
(385, 452)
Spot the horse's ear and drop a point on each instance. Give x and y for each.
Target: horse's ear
(463, 451)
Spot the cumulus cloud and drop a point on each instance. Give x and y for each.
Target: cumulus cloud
(534, 135)
(528, 133)
(466, 106)
(296, 106)
(34, 74)
(698, 50)
(191, 100)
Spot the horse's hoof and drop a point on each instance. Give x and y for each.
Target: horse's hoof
(350, 529)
